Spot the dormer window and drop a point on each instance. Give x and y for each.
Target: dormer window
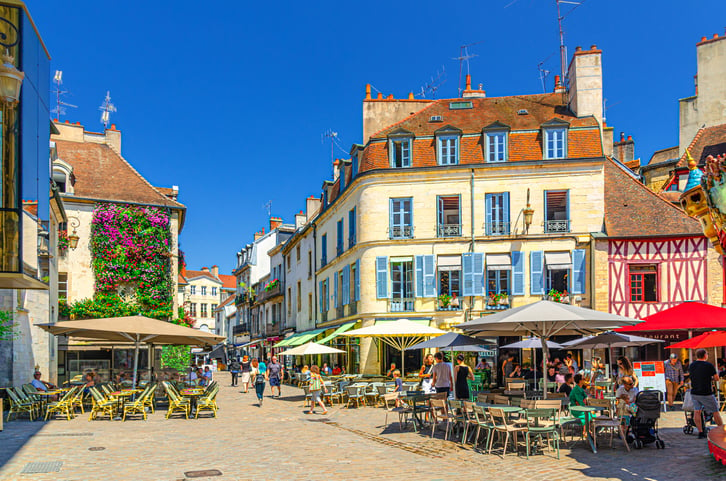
(554, 134)
(496, 137)
(400, 143)
(447, 145)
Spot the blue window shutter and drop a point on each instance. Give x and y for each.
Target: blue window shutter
(536, 275)
(335, 290)
(357, 280)
(406, 153)
(429, 272)
(467, 268)
(391, 217)
(419, 276)
(382, 277)
(488, 213)
(567, 214)
(346, 285)
(321, 297)
(517, 273)
(327, 298)
(578, 271)
(478, 277)
(505, 212)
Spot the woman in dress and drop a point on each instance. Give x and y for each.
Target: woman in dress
(462, 372)
(425, 374)
(245, 367)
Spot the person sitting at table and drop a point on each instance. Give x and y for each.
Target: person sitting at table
(516, 370)
(578, 396)
(551, 374)
(202, 380)
(305, 371)
(625, 396)
(90, 382)
(207, 374)
(336, 370)
(566, 387)
(482, 365)
(390, 371)
(39, 384)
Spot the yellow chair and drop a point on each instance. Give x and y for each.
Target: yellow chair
(17, 405)
(101, 405)
(63, 406)
(138, 406)
(176, 402)
(208, 403)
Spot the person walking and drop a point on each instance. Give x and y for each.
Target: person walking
(234, 368)
(441, 374)
(425, 374)
(246, 370)
(702, 373)
(258, 378)
(274, 376)
(316, 387)
(462, 372)
(673, 377)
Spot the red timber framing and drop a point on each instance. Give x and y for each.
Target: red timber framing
(680, 264)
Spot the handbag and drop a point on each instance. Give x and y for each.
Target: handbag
(687, 401)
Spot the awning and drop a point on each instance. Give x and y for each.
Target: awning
(499, 262)
(341, 329)
(449, 262)
(558, 260)
(288, 339)
(303, 337)
(250, 343)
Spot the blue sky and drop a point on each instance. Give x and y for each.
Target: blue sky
(229, 103)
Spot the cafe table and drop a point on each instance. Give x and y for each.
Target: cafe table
(419, 404)
(44, 396)
(193, 394)
(588, 411)
(121, 397)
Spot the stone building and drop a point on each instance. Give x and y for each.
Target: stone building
(203, 292)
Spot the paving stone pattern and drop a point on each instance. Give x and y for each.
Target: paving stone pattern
(279, 441)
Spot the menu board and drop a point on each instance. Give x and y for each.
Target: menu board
(651, 375)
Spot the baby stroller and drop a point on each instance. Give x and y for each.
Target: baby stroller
(644, 424)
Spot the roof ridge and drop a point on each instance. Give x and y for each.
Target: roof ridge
(691, 145)
(646, 189)
(433, 102)
(166, 199)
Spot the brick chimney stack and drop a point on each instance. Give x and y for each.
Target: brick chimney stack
(624, 150)
(275, 222)
(215, 271)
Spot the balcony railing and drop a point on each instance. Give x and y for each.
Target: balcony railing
(497, 228)
(554, 226)
(240, 329)
(400, 304)
(448, 308)
(401, 232)
(499, 304)
(449, 230)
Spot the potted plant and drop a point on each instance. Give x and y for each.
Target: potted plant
(444, 300)
(556, 296)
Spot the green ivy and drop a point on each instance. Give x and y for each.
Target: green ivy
(7, 326)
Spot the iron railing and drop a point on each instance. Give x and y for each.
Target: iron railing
(555, 226)
(400, 304)
(497, 228)
(401, 232)
(449, 230)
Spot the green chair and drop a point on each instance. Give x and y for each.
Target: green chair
(482, 422)
(542, 423)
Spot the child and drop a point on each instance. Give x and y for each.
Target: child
(316, 386)
(399, 385)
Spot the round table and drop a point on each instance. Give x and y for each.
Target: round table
(587, 410)
(121, 400)
(193, 394)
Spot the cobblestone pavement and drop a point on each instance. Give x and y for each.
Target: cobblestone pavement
(278, 441)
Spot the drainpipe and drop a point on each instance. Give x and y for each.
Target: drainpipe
(467, 314)
(315, 275)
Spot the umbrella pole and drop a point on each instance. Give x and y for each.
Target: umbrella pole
(136, 361)
(545, 355)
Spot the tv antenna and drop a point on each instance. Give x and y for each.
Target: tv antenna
(543, 73)
(464, 56)
(605, 108)
(563, 48)
(60, 104)
(435, 84)
(268, 208)
(333, 136)
(106, 108)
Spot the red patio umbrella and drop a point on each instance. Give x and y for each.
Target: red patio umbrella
(705, 340)
(687, 316)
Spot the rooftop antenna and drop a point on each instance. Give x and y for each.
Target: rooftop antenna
(543, 73)
(332, 135)
(435, 84)
(563, 48)
(605, 108)
(268, 208)
(60, 105)
(464, 56)
(106, 108)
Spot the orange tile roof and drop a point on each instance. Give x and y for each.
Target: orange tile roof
(707, 141)
(228, 300)
(182, 281)
(194, 274)
(228, 281)
(102, 173)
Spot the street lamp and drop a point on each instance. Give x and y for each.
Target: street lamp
(528, 214)
(73, 238)
(11, 79)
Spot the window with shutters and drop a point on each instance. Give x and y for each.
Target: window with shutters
(402, 294)
(557, 216)
(214, 291)
(339, 240)
(498, 289)
(351, 228)
(192, 290)
(324, 250)
(401, 218)
(496, 146)
(496, 211)
(352, 306)
(204, 310)
(204, 290)
(643, 283)
(558, 280)
(193, 309)
(400, 152)
(449, 216)
(450, 285)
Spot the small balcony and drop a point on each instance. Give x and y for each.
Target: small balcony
(449, 230)
(400, 304)
(401, 232)
(270, 292)
(240, 330)
(499, 302)
(497, 228)
(556, 226)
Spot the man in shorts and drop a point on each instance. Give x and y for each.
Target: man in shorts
(702, 373)
(274, 376)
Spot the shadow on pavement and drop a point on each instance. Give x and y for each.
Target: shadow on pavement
(15, 435)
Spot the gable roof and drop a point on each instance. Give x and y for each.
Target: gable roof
(228, 281)
(228, 301)
(633, 210)
(662, 155)
(707, 141)
(182, 281)
(101, 173)
(191, 275)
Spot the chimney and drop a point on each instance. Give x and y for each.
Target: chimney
(379, 113)
(300, 220)
(205, 269)
(260, 234)
(113, 138)
(336, 169)
(585, 73)
(312, 206)
(624, 150)
(215, 271)
(275, 222)
(468, 93)
(559, 88)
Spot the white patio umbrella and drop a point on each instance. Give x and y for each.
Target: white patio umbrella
(310, 348)
(533, 343)
(544, 319)
(399, 334)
